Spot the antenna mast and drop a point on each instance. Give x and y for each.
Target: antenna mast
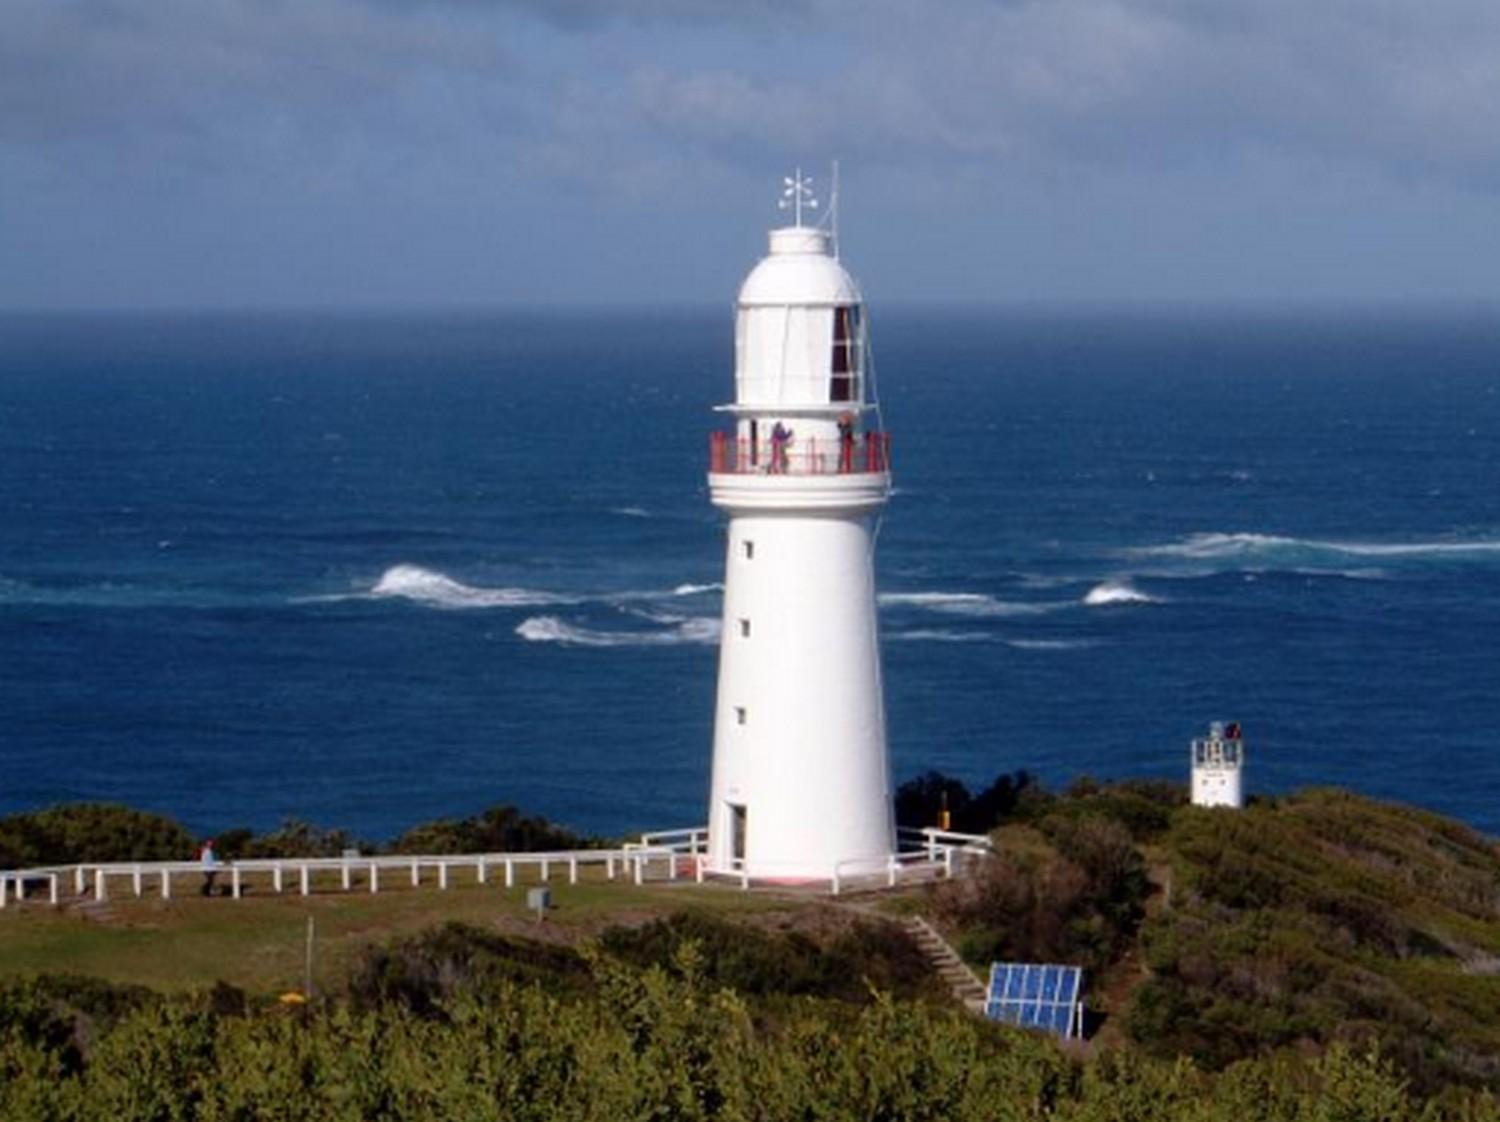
(833, 208)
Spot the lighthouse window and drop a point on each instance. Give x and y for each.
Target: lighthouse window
(744, 629)
(843, 384)
(749, 547)
(741, 715)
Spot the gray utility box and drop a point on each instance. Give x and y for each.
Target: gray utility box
(539, 899)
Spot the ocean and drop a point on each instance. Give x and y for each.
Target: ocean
(369, 570)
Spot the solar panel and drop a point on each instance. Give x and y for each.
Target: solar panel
(1036, 995)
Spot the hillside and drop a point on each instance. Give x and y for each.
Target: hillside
(1297, 922)
(1318, 956)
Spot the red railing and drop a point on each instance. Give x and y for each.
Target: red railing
(854, 455)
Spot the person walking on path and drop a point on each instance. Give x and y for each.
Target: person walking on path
(210, 862)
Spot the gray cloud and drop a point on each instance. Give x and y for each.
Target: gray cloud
(329, 128)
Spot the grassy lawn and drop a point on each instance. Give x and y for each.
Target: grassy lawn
(257, 942)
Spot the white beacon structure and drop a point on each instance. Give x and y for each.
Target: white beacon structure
(1219, 767)
(801, 780)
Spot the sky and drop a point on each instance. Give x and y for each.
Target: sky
(379, 153)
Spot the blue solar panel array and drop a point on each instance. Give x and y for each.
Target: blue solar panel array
(1035, 996)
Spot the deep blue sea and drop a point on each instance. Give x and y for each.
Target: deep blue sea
(371, 570)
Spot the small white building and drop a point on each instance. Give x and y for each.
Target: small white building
(1219, 766)
(801, 784)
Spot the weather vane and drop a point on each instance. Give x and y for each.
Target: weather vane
(797, 193)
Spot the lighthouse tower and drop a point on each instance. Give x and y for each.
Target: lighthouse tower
(1219, 766)
(801, 780)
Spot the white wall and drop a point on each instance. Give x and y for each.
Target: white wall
(810, 761)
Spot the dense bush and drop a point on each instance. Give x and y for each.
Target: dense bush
(74, 832)
(1079, 900)
(919, 802)
(427, 971)
(868, 954)
(1325, 917)
(501, 829)
(87, 832)
(655, 1044)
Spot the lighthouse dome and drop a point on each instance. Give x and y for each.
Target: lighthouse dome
(798, 270)
(799, 333)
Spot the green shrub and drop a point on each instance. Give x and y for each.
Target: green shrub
(74, 832)
(752, 961)
(500, 829)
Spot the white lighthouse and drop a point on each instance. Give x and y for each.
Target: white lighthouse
(801, 780)
(1219, 766)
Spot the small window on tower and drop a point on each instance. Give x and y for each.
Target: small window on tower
(843, 381)
(749, 548)
(741, 715)
(744, 629)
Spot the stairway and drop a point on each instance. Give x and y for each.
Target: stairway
(955, 973)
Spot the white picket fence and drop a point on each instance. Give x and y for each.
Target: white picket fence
(665, 854)
(98, 878)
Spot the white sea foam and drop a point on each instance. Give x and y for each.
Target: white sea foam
(696, 589)
(1051, 644)
(937, 635)
(631, 511)
(964, 604)
(1271, 547)
(424, 586)
(1116, 592)
(551, 629)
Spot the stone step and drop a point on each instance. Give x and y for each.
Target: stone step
(945, 962)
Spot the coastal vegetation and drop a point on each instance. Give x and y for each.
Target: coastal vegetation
(78, 832)
(622, 1041)
(1318, 955)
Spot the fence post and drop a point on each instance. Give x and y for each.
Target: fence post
(416, 874)
(572, 870)
(78, 880)
(166, 885)
(481, 871)
(443, 874)
(546, 869)
(304, 879)
(234, 882)
(99, 890)
(609, 866)
(52, 889)
(276, 881)
(345, 874)
(374, 877)
(135, 879)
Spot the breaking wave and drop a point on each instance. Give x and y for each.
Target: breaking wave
(937, 635)
(696, 589)
(551, 629)
(1116, 592)
(945, 635)
(1272, 549)
(1051, 644)
(963, 604)
(423, 586)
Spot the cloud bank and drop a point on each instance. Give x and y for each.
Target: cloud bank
(420, 131)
